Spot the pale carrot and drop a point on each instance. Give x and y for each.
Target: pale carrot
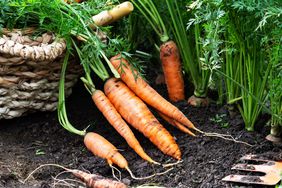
(96, 181)
(136, 113)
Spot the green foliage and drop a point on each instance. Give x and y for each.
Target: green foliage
(220, 120)
(208, 25)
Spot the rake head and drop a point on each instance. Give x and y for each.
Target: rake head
(271, 169)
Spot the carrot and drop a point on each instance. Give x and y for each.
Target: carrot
(136, 113)
(91, 180)
(143, 90)
(114, 118)
(172, 69)
(176, 124)
(101, 147)
(96, 181)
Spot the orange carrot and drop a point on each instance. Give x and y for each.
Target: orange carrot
(176, 124)
(101, 147)
(96, 181)
(136, 113)
(114, 118)
(143, 90)
(172, 69)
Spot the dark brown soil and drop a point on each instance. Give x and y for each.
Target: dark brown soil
(37, 139)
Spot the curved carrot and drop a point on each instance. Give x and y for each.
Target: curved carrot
(143, 90)
(101, 147)
(114, 118)
(136, 113)
(172, 69)
(176, 124)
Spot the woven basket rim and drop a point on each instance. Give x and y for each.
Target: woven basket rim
(41, 52)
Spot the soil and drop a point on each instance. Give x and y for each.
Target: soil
(37, 139)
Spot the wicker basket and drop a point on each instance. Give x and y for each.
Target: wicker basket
(30, 72)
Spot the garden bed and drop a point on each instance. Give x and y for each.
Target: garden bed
(37, 139)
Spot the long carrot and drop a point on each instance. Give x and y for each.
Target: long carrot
(114, 118)
(143, 90)
(176, 124)
(172, 69)
(136, 113)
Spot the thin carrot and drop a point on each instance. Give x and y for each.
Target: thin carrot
(136, 113)
(101, 147)
(172, 69)
(91, 180)
(96, 181)
(143, 90)
(176, 124)
(114, 118)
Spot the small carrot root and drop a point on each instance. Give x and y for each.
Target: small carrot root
(110, 113)
(91, 180)
(148, 177)
(166, 165)
(225, 137)
(176, 124)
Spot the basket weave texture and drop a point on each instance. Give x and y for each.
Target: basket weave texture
(30, 72)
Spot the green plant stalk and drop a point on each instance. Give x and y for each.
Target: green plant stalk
(62, 114)
(276, 93)
(151, 14)
(255, 80)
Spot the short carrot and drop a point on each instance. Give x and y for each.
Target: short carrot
(143, 90)
(136, 113)
(172, 69)
(176, 124)
(101, 147)
(114, 118)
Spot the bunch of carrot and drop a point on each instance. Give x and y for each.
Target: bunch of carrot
(123, 101)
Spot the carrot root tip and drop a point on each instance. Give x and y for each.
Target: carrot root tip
(113, 173)
(147, 177)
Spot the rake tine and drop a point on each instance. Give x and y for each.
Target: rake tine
(252, 168)
(259, 180)
(252, 158)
